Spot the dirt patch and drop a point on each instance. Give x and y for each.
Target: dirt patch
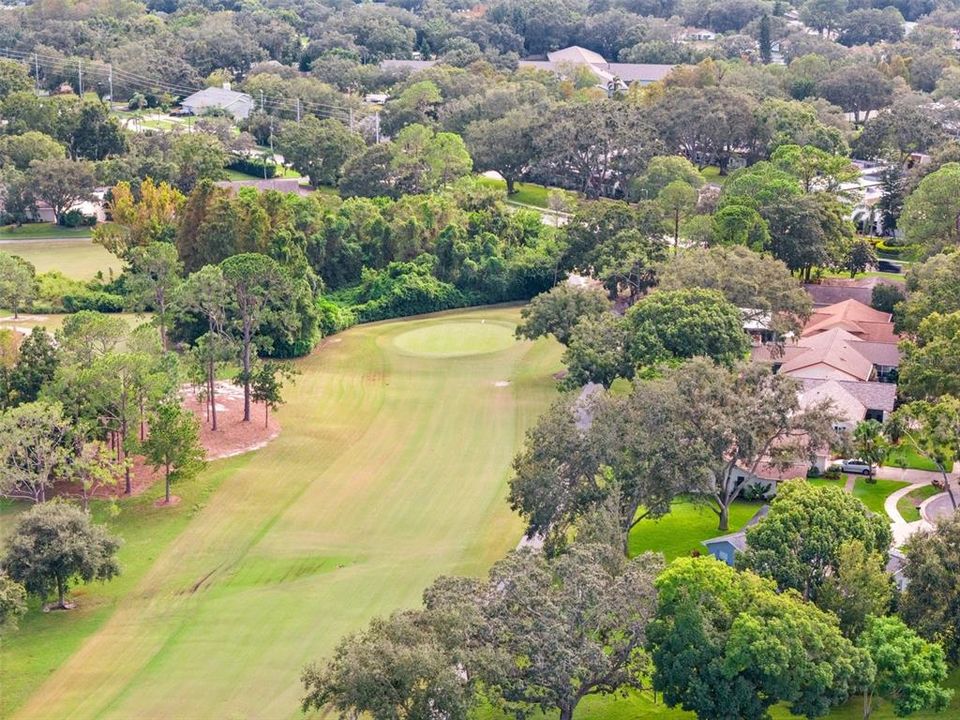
(233, 436)
(174, 500)
(57, 607)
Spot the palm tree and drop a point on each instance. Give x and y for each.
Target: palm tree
(871, 445)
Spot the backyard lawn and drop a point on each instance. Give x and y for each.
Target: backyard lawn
(237, 175)
(895, 277)
(391, 469)
(682, 531)
(712, 175)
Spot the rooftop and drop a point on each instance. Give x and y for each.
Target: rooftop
(739, 538)
(833, 348)
(642, 73)
(844, 402)
(856, 318)
(872, 395)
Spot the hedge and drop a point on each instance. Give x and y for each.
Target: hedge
(93, 300)
(254, 168)
(894, 250)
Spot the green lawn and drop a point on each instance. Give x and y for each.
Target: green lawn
(391, 469)
(44, 642)
(909, 504)
(712, 175)
(237, 175)
(684, 529)
(76, 258)
(905, 455)
(637, 706)
(526, 193)
(42, 231)
(873, 494)
(895, 277)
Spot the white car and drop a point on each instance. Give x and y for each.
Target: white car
(854, 466)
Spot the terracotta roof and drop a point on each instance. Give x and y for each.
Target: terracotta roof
(833, 349)
(856, 318)
(769, 353)
(844, 402)
(765, 471)
(851, 310)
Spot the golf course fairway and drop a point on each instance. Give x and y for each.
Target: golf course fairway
(391, 469)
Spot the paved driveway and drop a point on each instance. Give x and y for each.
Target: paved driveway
(937, 507)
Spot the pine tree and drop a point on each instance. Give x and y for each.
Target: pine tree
(766, 46)
(891, 201)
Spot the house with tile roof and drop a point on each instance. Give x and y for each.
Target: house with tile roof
(830, 355)
(847, 341)
(856, 318)
(846, 354)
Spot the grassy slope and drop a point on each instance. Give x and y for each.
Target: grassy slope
(76, 258)
(44, 642)
(390, 470)
(905, 455)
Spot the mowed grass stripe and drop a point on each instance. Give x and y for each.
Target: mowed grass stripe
(79, 259)
(391, 469)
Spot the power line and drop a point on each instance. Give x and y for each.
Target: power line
(109, 73)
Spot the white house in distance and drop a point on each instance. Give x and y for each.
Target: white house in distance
(236, 103)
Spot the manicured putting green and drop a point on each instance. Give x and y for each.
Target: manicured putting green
(456, 339)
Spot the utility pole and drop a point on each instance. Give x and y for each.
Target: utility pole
(298, 111)
(36, 72)
(110, 76)
(376, 125)
(80, 76)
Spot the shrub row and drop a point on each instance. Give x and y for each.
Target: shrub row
(254, 168)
